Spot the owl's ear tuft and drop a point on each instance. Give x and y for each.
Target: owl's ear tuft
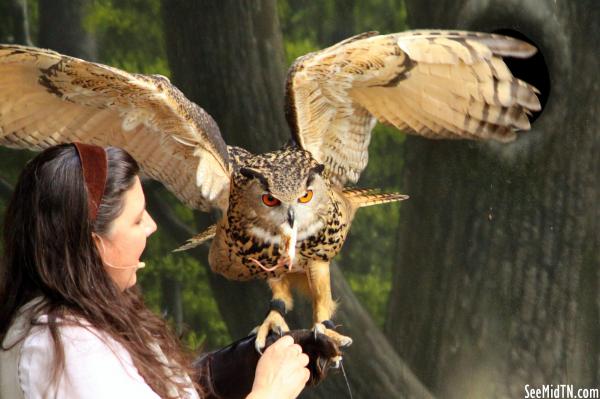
(315, 170)
(318, 169)
(255, 174)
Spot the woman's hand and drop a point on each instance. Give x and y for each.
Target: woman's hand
(281, 371)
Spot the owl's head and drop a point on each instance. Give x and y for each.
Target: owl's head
(280, 190)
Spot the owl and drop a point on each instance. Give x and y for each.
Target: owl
(286, 213)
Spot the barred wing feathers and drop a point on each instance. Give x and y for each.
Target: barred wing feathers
(437, 84)
(47, 98)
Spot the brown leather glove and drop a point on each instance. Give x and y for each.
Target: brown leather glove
(228, 373)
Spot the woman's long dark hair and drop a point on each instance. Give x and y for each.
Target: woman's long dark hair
(49, 251)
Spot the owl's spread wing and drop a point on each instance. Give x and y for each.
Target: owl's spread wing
(438, 84)
(47, 98)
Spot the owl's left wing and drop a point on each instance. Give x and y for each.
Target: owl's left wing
(437, 84)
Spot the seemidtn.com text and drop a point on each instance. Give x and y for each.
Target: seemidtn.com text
(560, 391)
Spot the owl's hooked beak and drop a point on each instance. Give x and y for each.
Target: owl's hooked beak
(290, 217)
(290, 235)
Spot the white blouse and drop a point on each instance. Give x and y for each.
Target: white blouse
(96, 366)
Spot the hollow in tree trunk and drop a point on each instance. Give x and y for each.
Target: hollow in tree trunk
(497, 283)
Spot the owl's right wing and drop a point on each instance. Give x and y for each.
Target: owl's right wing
(47, 98)
(437, 84)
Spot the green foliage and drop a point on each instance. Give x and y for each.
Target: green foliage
(130, 35)
(295, 49)
(11, 164)
(312, 25)
(384, 16)
(203, 325)
(369, 253)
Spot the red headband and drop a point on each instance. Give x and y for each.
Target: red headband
(94, 164)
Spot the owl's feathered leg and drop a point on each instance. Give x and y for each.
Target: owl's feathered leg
(281, 302)
(323, 304)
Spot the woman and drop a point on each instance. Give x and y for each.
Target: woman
(72, 323)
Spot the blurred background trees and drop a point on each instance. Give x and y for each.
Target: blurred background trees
(487, 279)
(150, 37)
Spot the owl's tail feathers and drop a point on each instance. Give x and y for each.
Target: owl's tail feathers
(198, 239)
(361, 197)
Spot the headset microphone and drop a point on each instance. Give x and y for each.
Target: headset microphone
(139, 265)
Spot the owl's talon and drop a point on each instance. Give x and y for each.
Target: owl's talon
(277, 330)
(318, 329)
(337, 361)
(258, 347)
(273, 322)
(341, 340)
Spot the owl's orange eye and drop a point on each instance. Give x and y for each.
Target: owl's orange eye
(306, 197)
(269, 200)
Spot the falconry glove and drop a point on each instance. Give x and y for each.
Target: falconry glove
(228, 373)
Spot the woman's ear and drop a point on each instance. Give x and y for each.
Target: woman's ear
(99, 243)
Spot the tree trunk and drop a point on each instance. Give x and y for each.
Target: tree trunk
(497, 283)
(229, 59)
(237, 56)
(228, 56)
(61, 28)
(20, 22)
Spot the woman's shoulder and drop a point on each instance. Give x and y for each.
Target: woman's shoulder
(76, 335)
(32, 326)
(91, 358)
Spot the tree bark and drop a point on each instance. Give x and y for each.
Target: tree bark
(20, 22)
(62, 30)
(234, 69)
(228, 56)
(497, 283)
(14, 24)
